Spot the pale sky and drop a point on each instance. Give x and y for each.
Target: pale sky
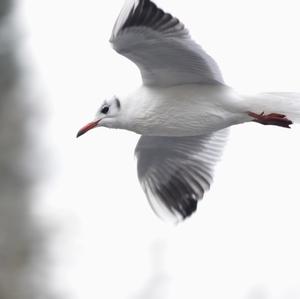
(243, 242)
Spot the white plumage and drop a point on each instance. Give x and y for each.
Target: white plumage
(182, 110)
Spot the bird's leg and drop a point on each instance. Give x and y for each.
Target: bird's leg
(274, 119)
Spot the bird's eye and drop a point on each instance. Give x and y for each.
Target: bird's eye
(105, 110)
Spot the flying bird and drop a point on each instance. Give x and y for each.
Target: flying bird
(182, 110)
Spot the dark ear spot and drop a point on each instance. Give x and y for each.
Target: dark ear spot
(118, 103)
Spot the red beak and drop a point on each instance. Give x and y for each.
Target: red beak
(86, 128)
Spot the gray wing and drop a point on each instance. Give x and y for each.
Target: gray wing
(176, 171)
(161, 47)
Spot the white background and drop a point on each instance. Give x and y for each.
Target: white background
(243, 242)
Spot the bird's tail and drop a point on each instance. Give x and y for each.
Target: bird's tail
(280, 106)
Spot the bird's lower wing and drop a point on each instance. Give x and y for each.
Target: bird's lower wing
(175, 172)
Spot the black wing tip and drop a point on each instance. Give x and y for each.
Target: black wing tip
(176, 216)
(188, 210)
(148, 14)
(178, 197)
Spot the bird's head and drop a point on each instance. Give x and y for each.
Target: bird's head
(106, 116)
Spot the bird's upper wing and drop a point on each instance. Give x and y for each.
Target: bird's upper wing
(176, 171)
(161, 47)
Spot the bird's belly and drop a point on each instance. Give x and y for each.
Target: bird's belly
(195, 123)
(180, 131)
(184, 110)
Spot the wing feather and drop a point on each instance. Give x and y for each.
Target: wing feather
(161, 47)
(175, 172)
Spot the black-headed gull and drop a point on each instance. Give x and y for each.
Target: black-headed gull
(182, 110)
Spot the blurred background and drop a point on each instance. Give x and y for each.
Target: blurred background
(74, 222)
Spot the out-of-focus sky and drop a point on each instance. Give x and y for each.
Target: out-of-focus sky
(243, 242)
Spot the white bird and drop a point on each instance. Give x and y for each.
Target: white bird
(182, 110)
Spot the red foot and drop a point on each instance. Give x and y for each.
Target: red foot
(274, 119)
